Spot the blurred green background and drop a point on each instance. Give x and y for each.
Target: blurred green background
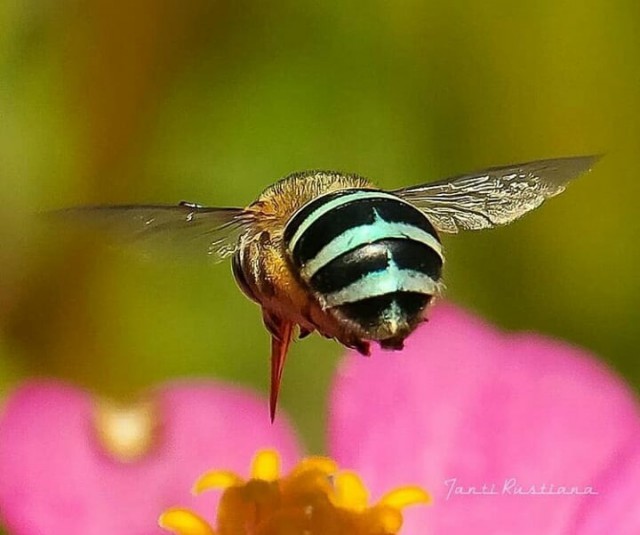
(211, 101)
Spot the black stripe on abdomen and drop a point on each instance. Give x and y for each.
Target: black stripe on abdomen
(369, 313)
(370, 258)
(336, 221)
(299, 217)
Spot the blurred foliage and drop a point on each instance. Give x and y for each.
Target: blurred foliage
(145, 101)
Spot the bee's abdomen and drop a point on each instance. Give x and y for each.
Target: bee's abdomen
(372, 258)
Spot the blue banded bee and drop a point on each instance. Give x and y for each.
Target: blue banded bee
(330, 252)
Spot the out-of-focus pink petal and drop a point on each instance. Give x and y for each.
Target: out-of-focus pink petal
(57, 480)
(467, 402)
(617, 509)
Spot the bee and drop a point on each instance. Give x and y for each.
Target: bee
(331, 252)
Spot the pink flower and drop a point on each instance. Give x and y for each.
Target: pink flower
(466, 406)
(56, 476)
(512, 433)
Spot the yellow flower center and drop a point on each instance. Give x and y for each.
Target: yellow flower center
(315, 498)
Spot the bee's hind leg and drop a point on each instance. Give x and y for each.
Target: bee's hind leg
(361, 346)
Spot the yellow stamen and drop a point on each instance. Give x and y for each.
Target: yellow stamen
(266, 465)
(350, 492)
(321, 464)
(216, 480)
(405, 496)
(386, 519)
(315, 498)
(184, 522)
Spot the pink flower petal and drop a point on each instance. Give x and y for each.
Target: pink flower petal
(467, 402)
(616, 509)
(56, 479)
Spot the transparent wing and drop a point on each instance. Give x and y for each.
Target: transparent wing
(495, 196)
(186, 227)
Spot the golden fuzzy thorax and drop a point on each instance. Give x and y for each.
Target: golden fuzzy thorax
(281, 200)
(276, 286)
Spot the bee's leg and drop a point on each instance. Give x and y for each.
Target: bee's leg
(394, 344)
(361, 346)
(364, 348)
(304, 333)
(281, 334)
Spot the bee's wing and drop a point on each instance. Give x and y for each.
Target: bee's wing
(495, 196)
(186, 227)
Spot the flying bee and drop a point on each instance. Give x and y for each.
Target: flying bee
(330, 252)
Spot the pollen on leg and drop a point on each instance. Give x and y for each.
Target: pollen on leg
(314, 498)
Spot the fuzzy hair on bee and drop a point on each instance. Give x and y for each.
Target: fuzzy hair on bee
(327, 252)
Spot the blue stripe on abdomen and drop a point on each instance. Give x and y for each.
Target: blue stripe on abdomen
(389, 280)
(357, 209)
(374, 257)
(362, 235)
